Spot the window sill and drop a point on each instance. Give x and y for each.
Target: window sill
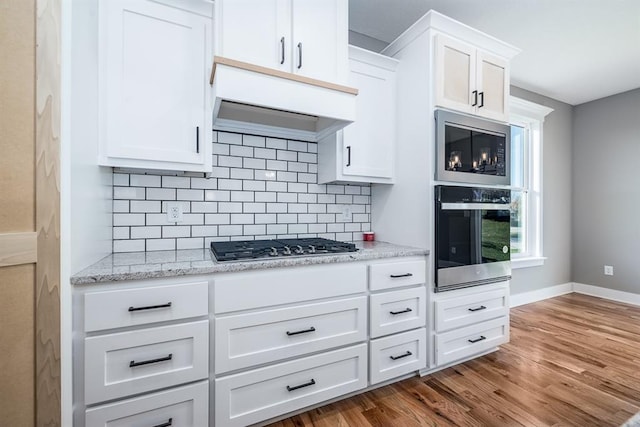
(527, 262)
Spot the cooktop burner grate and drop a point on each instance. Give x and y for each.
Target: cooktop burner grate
(277, 248)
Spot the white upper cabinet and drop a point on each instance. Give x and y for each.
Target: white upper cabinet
(364, 150)
(305, 37)
(470, 80)
(154, 86)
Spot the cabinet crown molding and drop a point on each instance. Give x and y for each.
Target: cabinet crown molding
(436, 21)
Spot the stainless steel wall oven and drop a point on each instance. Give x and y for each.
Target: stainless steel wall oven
(472, 236)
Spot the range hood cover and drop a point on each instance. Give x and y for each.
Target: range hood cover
(261, 101)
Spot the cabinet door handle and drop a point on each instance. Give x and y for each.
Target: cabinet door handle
(282, 51)
(296, 387)
(407, 310)
(304, 331)
(408, 353)
(397, 276)
(475, 98)
(348, 155)
(482, 307)
(198, 139)
(133, 363)
(167, 424)
(482, 338)
(481, 100)
(150, 307)
(299, 55)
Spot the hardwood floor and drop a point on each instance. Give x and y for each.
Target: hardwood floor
(572, 360)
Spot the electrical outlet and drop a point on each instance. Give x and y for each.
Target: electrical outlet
(174, 212)
(346, 213)
(608, 270)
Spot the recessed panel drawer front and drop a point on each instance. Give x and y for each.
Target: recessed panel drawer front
(470, 309)
(398, 311)
(266, 336)
(397, 274)
(278, 286)
(183, 406)
(461, 343)
(260, 394)
(126, 363)
(130, 307)
(397, 355)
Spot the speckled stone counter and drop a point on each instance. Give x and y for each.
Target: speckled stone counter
(148, 265)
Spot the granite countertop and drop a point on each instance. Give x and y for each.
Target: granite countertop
(148, 265)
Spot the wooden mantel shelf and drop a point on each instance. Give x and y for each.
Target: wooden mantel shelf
(277, 73)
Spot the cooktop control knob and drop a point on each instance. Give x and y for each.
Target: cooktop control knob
(298, 250)
(273, 252)
(286, 250)
(312, 249)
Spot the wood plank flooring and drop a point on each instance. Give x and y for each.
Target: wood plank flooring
(573, 360)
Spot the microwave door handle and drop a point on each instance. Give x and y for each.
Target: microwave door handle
(475, 206)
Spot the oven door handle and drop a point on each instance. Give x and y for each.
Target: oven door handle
(475, 206)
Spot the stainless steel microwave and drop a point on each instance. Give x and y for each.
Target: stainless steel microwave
(471, 149)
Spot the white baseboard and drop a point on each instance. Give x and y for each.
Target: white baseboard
(540, 294)
(580, 288)
(606, 293)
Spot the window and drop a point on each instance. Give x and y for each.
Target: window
(526, 182)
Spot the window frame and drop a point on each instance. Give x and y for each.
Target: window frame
(530, 116)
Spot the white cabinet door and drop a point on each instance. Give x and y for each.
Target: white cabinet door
(257, 32)
(368, 143)
(320, 39)
(153, 63)
(493, 86)
(455, 74)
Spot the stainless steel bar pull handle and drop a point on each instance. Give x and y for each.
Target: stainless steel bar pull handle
(296, 387)
(150, 307)
(304, 331)
(282, 51)
(299, 55)
(133, 363)
(167, 424)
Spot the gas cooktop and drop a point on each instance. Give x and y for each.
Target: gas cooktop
(277, 248)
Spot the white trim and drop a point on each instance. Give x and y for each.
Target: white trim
(535, 261)
(606, 293)
(540, 294)
(521, 107)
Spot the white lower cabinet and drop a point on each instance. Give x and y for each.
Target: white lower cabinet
(266, 336)
(126, 363)
(465, 342)
(398, 311)
(186, 406)
(260, 394)
(397, 355)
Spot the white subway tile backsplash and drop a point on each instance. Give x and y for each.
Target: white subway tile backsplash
(259, 188)
(128, 193)
(144, 180)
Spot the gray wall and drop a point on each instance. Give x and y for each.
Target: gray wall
(366, 42)
(606, 192)
(556, 198)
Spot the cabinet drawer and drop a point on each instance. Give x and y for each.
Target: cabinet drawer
(287, 285)
(396, 274)
(397, 355)
(185, 406)
(266, 336)
(129, 307)
(470, 309)
(260, 394)
(461, 343)
(398, 311)
(119, 365)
